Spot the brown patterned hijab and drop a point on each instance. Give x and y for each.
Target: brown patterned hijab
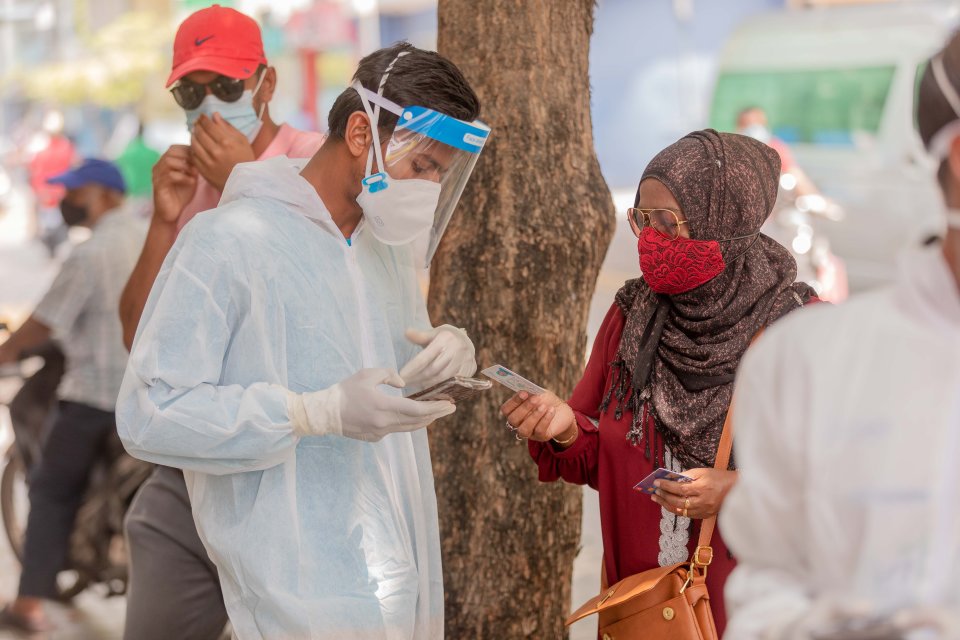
(680, 352)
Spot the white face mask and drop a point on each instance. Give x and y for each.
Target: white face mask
(240, 114)
(953, 218)
(399, 211)
(757, 132)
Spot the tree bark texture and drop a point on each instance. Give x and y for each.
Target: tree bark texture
(517, 268)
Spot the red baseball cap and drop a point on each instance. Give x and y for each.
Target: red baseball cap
(217, 39)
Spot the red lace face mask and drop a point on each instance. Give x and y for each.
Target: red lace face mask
(677, 266)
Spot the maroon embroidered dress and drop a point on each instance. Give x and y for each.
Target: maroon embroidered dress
(634, 528)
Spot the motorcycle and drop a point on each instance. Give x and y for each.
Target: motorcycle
(794, 223)
(97, 546)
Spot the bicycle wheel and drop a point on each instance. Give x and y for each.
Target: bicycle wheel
(70, 584)
(14, 503)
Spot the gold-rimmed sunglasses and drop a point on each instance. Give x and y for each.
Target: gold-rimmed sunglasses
(666, 222)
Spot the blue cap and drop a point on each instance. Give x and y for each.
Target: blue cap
(91, 171)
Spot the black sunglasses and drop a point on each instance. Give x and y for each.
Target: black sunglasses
(190, 94)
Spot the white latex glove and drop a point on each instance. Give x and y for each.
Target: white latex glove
(931, 622)
(447, 352)
(356, 408)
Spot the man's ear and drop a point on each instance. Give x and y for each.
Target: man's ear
(269, 85)
(358, 135)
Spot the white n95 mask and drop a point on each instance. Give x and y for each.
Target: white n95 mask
(399, 211)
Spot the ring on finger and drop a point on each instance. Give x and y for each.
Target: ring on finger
(686, 504)
(685, 513)
(511, 427)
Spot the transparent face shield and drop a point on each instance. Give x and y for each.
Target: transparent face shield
(942, 141)
(425, 147)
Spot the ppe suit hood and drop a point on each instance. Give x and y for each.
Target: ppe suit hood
(277, 179)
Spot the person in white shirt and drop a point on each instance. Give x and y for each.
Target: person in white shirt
(846, 517)
(80, 311)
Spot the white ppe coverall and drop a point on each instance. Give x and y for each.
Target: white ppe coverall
(847, 438)
(316, 536)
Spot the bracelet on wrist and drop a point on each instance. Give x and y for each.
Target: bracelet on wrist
(568, 441)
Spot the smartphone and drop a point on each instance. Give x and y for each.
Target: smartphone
(455, 389)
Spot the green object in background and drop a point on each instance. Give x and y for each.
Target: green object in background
(194, 5)
(136, 164)
(825, 107)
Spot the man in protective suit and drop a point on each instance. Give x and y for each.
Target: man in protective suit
(275, 349)
(846, 520)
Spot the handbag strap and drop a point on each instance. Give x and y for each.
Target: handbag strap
(722, 461)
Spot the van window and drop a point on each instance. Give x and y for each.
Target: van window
(822, 107)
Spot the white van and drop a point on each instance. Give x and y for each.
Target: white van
(838, 85)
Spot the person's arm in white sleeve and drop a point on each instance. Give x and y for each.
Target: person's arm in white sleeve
(762, 519)
(172, 408)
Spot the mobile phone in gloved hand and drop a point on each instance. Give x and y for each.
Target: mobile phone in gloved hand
(455, 389)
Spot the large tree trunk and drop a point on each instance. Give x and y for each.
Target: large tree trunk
(517, 269)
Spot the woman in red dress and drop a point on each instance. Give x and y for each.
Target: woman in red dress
(659, 381)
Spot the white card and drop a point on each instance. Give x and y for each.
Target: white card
(511, 380)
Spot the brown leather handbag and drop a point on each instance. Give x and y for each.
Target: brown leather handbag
(668, 603)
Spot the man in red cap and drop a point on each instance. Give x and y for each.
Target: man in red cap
(222, 81)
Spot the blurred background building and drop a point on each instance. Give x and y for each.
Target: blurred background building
(835, 77)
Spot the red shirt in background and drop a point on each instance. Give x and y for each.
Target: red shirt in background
(52, 160)
(786, 156)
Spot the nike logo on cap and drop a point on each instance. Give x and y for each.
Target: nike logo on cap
(200, 41)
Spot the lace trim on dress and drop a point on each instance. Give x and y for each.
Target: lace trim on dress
(674, 528)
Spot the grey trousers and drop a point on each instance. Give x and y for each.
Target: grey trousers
(174, 591)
